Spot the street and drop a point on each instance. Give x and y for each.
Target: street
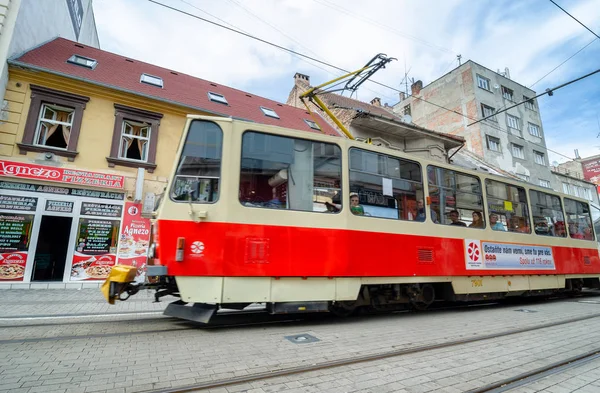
(72, 341)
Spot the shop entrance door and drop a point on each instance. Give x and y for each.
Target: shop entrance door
(52, 248)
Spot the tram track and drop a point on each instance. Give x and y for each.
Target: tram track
(364, 359)
(227, 319)
(526, 378)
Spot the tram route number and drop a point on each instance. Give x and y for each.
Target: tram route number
(477, 283)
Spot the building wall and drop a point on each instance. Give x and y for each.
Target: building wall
(96, 134)
(51, 19)
(576, 187)
(459, 92)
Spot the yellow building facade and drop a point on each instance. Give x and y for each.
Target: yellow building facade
(87, 144)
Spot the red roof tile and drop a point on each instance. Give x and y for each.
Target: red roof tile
(123, 73)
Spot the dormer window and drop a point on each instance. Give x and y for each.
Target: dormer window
(269, 112)
(83, 61)
(217, 98)
(151, 80)
(312, 124)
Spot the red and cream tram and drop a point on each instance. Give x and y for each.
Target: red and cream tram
(308, 222)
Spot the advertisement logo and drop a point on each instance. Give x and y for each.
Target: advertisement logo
(133, 211)
(473, 251)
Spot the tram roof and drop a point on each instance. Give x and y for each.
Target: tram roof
(124, 74)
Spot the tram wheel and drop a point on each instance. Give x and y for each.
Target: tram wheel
(342, 309)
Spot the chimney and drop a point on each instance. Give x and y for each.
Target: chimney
(402, 96)
(506, 73)
(376, 101)
(416, 88)
(577, 156)
(305, 79)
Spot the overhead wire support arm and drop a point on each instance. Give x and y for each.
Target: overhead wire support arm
(357, 78)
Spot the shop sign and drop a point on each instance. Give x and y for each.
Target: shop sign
(95, 250)
(9, 202)
(101, 209)
(28, 187)
(63, 175)
(59, 206)
(134, 239)
(15, 233)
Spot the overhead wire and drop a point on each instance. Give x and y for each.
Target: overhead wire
(577, 20)
(335, 67)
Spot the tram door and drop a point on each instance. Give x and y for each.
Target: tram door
(52, 248)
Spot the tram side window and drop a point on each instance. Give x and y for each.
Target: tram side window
(199, 169)
(386, 186)
(548, 217)
(509, 203)
(579, 219)
(456, 198)
(287, 173)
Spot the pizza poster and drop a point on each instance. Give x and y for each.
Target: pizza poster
(15, 234)
(134, 239)
(95, 249)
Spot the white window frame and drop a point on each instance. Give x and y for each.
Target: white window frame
(523, 176)
(539, 158)
(544, 183)
(517, 148)
(216, 97)
(269, 112)
(83, 61)
(42, 120)
(534, 130)
(144, 154)
(312, 124)
(566, 188)
(483, 82)
(509, 94)
(511, 122)
(491, 112)
(529, 103)
(151, 80)
(493, 141)
(588, 194)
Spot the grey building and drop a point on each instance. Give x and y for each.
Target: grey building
(512, 140)
(25, 24)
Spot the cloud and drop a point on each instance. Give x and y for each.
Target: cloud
(530, 38)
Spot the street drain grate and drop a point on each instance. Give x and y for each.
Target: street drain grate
(302, 338)
(525, 310)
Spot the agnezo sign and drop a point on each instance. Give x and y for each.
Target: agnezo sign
(25, 170)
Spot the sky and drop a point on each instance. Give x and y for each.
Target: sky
(530, 38)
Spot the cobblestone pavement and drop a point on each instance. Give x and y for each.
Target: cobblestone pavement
(134, 353)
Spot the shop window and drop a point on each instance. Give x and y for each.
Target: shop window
(509, 204)
(579, 219)
(288, 173)
(53, 122)
(386, 186)
(135, 136)
(199, 169)
(548, 217)
(15, 236)
(456, 198)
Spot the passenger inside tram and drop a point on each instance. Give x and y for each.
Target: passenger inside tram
(454, 219)
(355, 206)
(495, 223)
(541, 226)
(420, 216)
(477, 220)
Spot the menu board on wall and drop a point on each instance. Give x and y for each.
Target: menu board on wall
(10, 202)
(95, 250)
(15, 233)
(101, 209)
(134, 239)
